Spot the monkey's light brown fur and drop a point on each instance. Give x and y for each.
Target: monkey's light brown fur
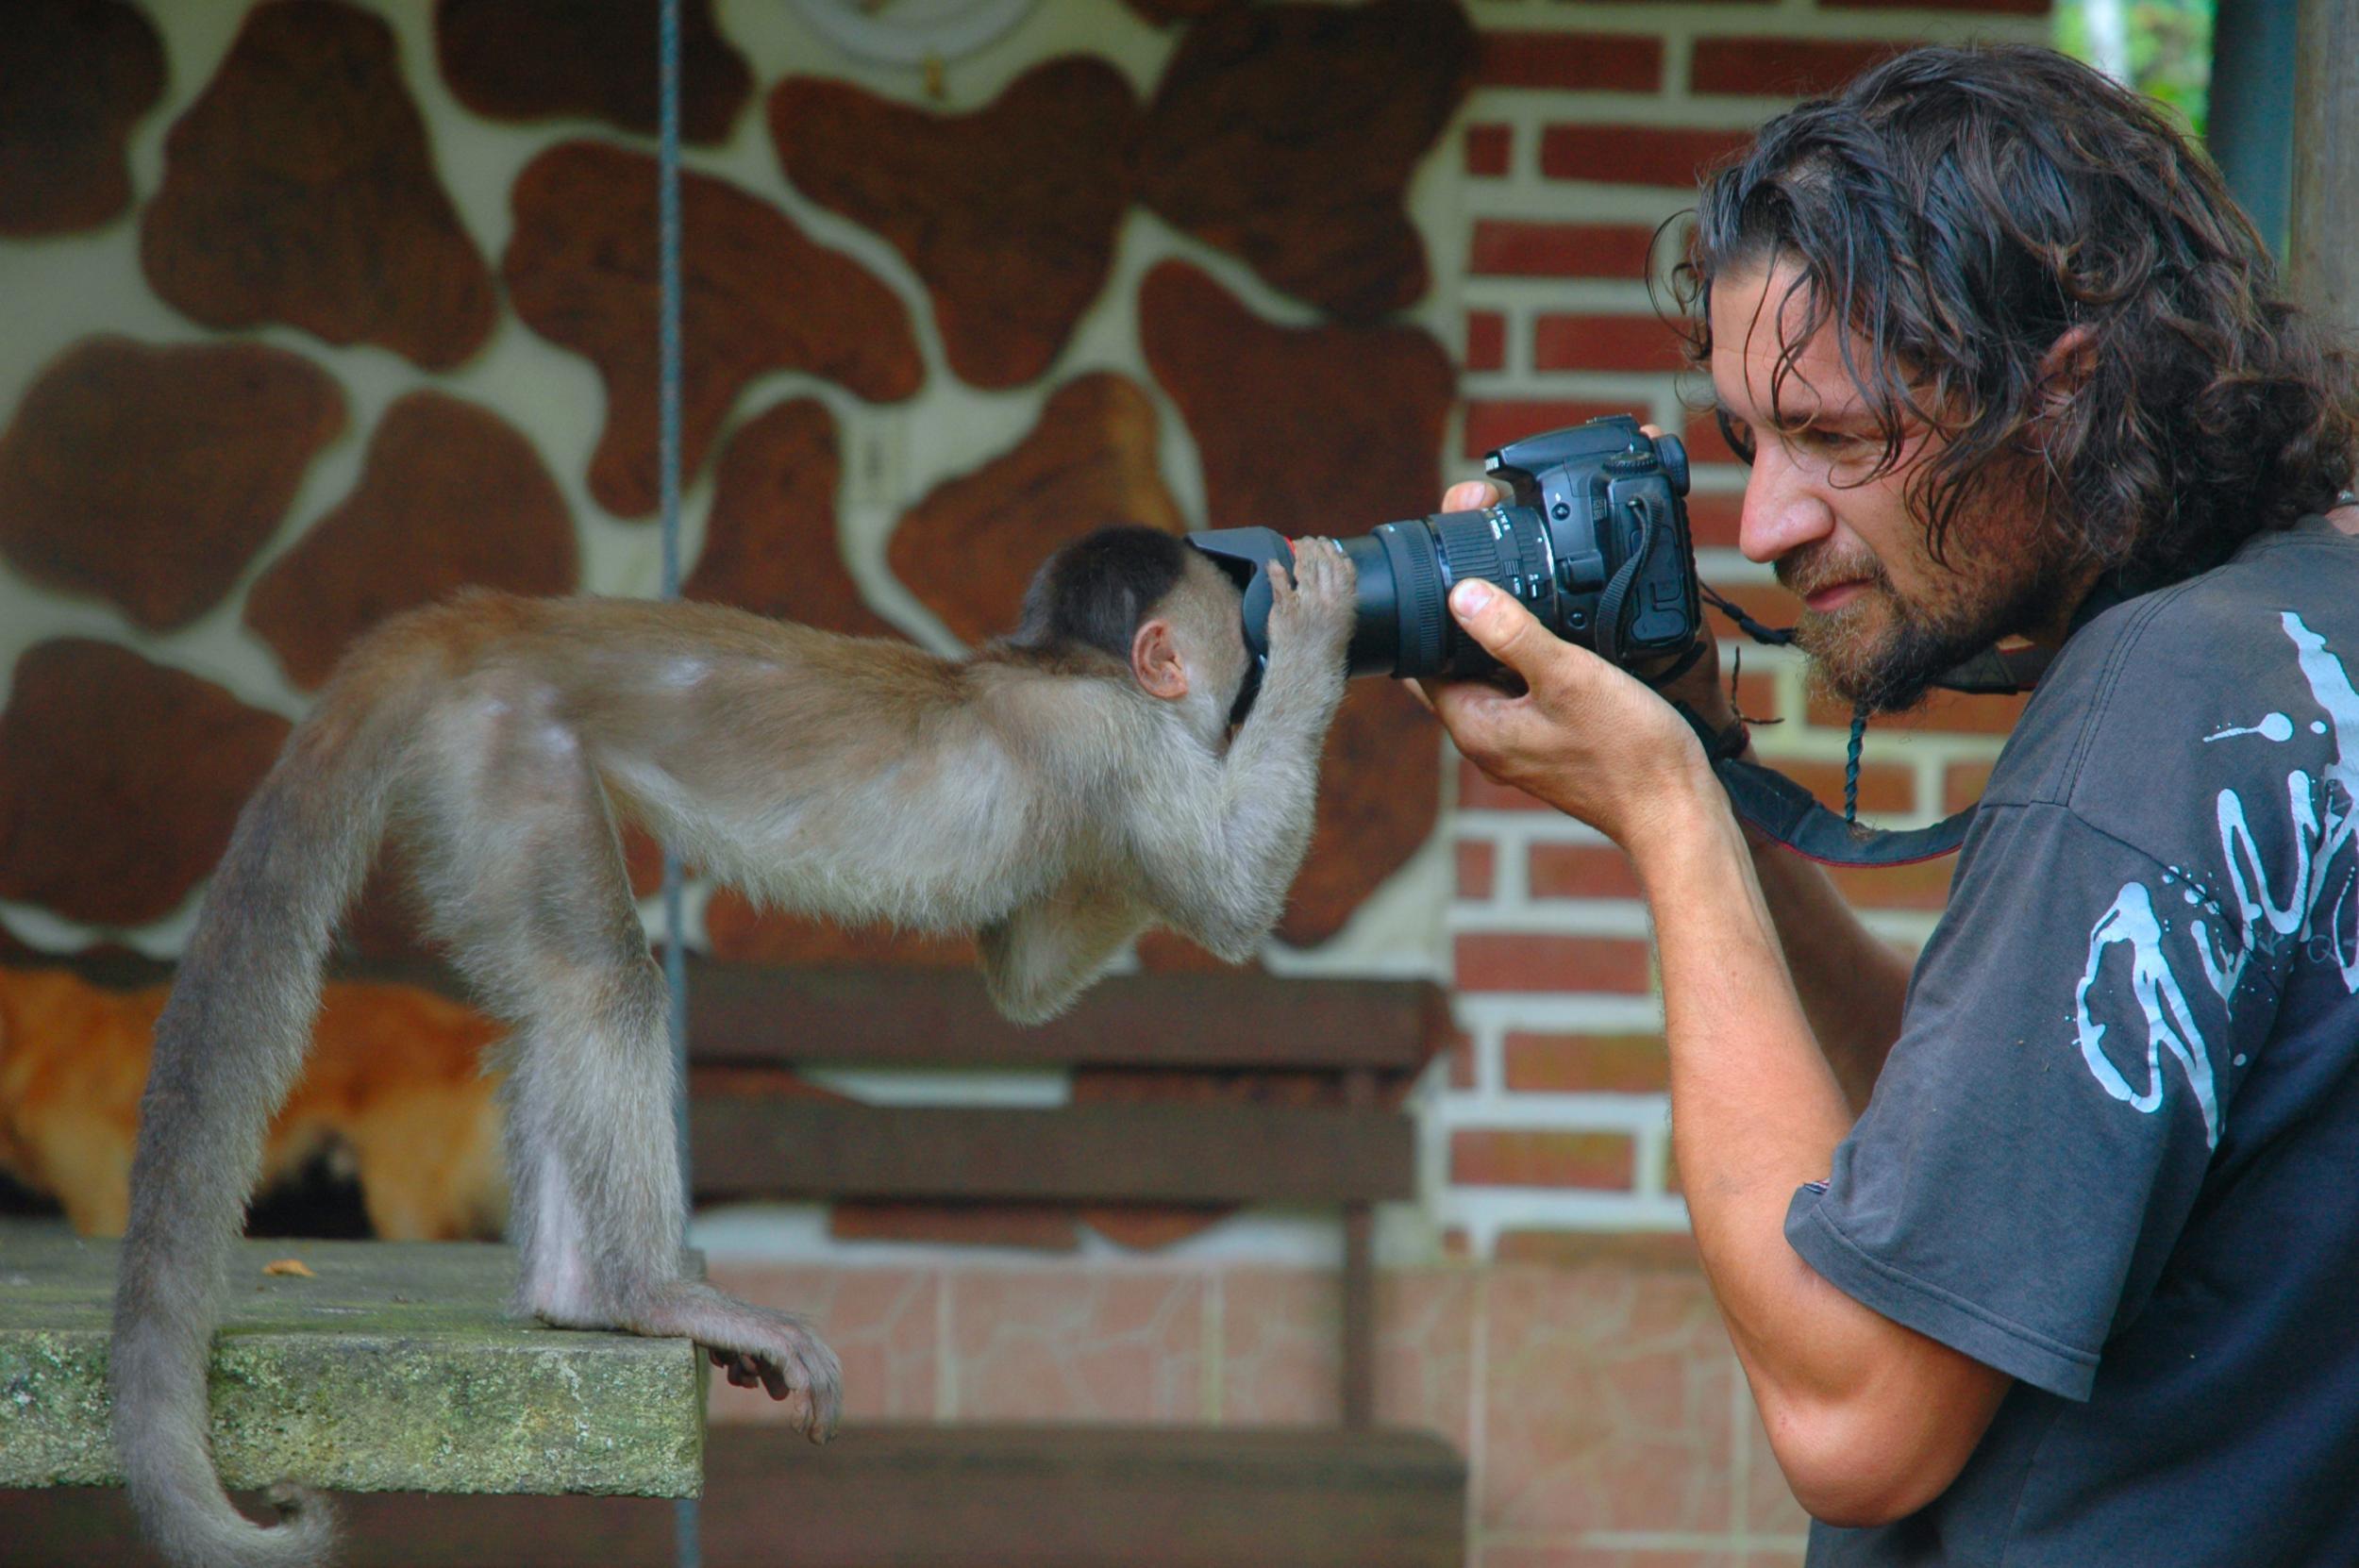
(1056, 793)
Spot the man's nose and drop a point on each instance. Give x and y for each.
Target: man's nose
(1783, 511)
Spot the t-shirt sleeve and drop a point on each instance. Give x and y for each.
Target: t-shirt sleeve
(2046, 1118)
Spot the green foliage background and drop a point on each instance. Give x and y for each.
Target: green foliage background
(2171, 48)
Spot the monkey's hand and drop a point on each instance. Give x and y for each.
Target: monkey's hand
(1311, 618)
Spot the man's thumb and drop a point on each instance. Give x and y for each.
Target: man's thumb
(1505, 628)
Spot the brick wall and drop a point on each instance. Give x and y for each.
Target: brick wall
(1575, 161)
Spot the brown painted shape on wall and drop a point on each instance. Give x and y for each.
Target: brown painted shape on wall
(770, 539)
(1379, 800)
(75, 77)
(151, 475)
(300, 188)
(759, 296)
(970, 546)
(1287, 134)
(120, 781)
(1319, 429)
(1324, 429)
(539, 60)
(736, 930)
(452, 495)
(1009, 214)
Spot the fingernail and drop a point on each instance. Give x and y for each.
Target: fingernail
(1469, 597)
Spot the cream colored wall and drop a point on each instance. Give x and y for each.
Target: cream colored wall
(54, 292)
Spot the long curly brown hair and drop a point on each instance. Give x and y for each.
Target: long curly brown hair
(1960, 209)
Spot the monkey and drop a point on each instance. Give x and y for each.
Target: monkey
(1055, 791)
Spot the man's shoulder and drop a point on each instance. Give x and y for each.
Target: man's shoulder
(2145, 696)
(2312, 570)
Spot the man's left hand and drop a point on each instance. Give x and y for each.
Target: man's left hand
(1582, 736)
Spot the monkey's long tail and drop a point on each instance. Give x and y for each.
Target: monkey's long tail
(230, 1047)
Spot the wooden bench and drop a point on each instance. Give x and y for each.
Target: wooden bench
(923, 1494)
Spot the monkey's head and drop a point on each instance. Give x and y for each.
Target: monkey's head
(1146, 599)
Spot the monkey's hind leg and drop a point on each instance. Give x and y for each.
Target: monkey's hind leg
(531, 891)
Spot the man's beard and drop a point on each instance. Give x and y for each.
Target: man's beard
(1893, 665)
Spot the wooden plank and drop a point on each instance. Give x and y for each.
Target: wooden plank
(1359, 1294)
(1087, 1497)
(1069, 1154)
(750, 1015)
(2323, 264)
(910, 1497)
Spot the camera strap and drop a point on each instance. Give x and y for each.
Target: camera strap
(1774, 804)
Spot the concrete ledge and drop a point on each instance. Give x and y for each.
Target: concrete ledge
(393, 1369)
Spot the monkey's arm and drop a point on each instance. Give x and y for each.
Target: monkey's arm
(1219, 842)
(1042, 956)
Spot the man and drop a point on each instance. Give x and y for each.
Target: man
(2047, 1253)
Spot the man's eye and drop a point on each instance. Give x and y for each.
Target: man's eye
(1829, 444)
(1740, 439)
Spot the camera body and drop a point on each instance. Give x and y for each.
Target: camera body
(1593, 540)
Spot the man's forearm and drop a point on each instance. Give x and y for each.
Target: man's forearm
(1865, 1415)
(1851, 983)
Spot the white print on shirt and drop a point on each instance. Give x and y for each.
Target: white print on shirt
(2320, 906)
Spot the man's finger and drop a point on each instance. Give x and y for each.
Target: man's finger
(1505, 628)
(1471, 495)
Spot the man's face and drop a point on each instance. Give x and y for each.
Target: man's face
(1881, 618)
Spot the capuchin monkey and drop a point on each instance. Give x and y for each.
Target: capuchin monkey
(1056, 792)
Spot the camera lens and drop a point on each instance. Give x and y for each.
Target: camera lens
(1594, 544)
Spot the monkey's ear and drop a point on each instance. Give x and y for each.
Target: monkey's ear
(1155, 662)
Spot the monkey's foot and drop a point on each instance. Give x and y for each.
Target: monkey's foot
(757, 1346)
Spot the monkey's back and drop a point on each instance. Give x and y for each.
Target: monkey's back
(859, 779)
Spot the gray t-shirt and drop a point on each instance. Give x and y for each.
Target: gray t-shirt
(2116, 1150)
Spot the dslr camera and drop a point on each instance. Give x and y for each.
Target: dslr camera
(1593, 540)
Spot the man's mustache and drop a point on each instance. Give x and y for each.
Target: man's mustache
(1804, 572)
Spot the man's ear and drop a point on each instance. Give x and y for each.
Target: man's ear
(1155, 662)
(2064, 369)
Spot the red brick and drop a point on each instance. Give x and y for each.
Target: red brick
(1885, 788)
(1605, 343)
(1756, 693)
(1587, 1063)
(1780, 67)
(1924, 885)
(1962, 785)
(1491, 424)
(1477, 867)
(1462, 1063)
(1530, 961)
(1489, 149)
(1706, 444)
(1651, 1251)
(1949, 713)
(1506, 247)
(1612, 62)
(1765, 602)
(1486, 339)
(1478, 793)
(1581, 871)
(1672, 158)
(1498, 1157)
(1713, 519)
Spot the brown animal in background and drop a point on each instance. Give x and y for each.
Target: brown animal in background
(1056, 792)
(395, 1093)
